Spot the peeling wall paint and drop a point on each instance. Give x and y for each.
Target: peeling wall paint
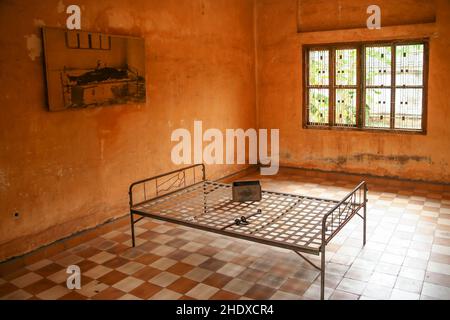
(280, 97)
(39, 22)
(34, 46)
(68, 171)
(61, 7)
(4, 182)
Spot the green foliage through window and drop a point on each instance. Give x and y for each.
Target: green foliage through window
(366, 86)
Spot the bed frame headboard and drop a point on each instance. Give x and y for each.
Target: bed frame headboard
(157, 186)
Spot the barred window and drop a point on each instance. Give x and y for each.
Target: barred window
(378, 86)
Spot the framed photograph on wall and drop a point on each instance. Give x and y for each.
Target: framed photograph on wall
(87, 69)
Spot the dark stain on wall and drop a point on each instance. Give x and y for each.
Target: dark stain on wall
(368, 157)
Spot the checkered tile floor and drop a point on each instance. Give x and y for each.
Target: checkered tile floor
(407, 255)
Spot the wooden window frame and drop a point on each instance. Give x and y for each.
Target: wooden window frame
(361, 85)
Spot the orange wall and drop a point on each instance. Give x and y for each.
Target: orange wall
(67, 171)
(279, 96)
(315, 15)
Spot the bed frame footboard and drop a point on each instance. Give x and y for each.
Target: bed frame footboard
(337, 218)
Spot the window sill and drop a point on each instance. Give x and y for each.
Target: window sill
(371, 130)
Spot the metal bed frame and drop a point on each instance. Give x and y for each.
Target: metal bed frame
(299, 223)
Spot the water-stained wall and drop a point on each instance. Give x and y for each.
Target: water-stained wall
(63, 172)
(280, 92)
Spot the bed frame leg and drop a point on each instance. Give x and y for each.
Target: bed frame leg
(132, 230)
(322, 273)
(204, 199)
(364, 214)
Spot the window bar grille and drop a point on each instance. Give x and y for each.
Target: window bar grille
(389, 91)
(378, 86)
(410, 86)
(318, 89)
(345, 87)
(393, 81)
